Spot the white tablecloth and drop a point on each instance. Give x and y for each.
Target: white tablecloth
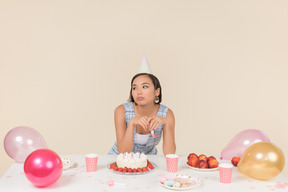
(77, 179)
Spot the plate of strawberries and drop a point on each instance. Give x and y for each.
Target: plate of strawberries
(202, 162)
(129, 171)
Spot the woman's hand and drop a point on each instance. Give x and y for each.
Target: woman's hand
(156, 121)
(148, 123)
(142, 121)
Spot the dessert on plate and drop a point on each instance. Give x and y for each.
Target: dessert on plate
(178, 181)
(131, 163)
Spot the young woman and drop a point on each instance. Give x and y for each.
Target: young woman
(135, 120)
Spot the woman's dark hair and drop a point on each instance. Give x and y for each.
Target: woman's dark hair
(155, 82)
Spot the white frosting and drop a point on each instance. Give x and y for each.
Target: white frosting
(132, 160)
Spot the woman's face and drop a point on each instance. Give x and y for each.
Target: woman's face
(143, 90)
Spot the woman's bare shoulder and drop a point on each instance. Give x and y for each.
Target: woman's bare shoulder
(170, 112)
(119, 109)
(170, 115)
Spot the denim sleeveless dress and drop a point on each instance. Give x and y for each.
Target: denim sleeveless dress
(150, 147)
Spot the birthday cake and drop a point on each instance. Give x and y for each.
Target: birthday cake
(131, 163)
(132, 160)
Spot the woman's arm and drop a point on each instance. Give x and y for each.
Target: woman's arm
(169, 145)
(124, 134)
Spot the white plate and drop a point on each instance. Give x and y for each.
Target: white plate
(198, 181)
(127, 173)
(204, 170)
(67, 163)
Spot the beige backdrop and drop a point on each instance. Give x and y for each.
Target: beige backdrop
(65, 65)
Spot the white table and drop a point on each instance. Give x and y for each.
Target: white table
(77, 179)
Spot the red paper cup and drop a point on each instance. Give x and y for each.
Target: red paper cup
(172, 162)
(225, 170)
(91, 162)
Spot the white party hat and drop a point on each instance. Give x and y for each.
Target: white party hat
(144, 66)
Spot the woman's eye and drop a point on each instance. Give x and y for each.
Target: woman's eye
(145, 86)
(133, 88)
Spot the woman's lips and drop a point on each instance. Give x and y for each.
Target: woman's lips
(140, 98)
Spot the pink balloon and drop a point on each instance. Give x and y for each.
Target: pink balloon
(43, 167)
(237, 146)
(20, 141)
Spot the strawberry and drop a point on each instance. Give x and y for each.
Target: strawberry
(148, 162)
(112, 165)
(145, 169)
(125, 170)
(130, 170)
(120, 169)
(139, 170)
(134, 170)
(115, 168)
(150, 166)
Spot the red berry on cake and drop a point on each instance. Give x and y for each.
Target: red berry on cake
(125, 170)
(150, 166)
(145, 169)
(134, 170)
(139, 170)
(130, 170)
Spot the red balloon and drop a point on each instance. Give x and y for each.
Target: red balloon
(43, 167)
